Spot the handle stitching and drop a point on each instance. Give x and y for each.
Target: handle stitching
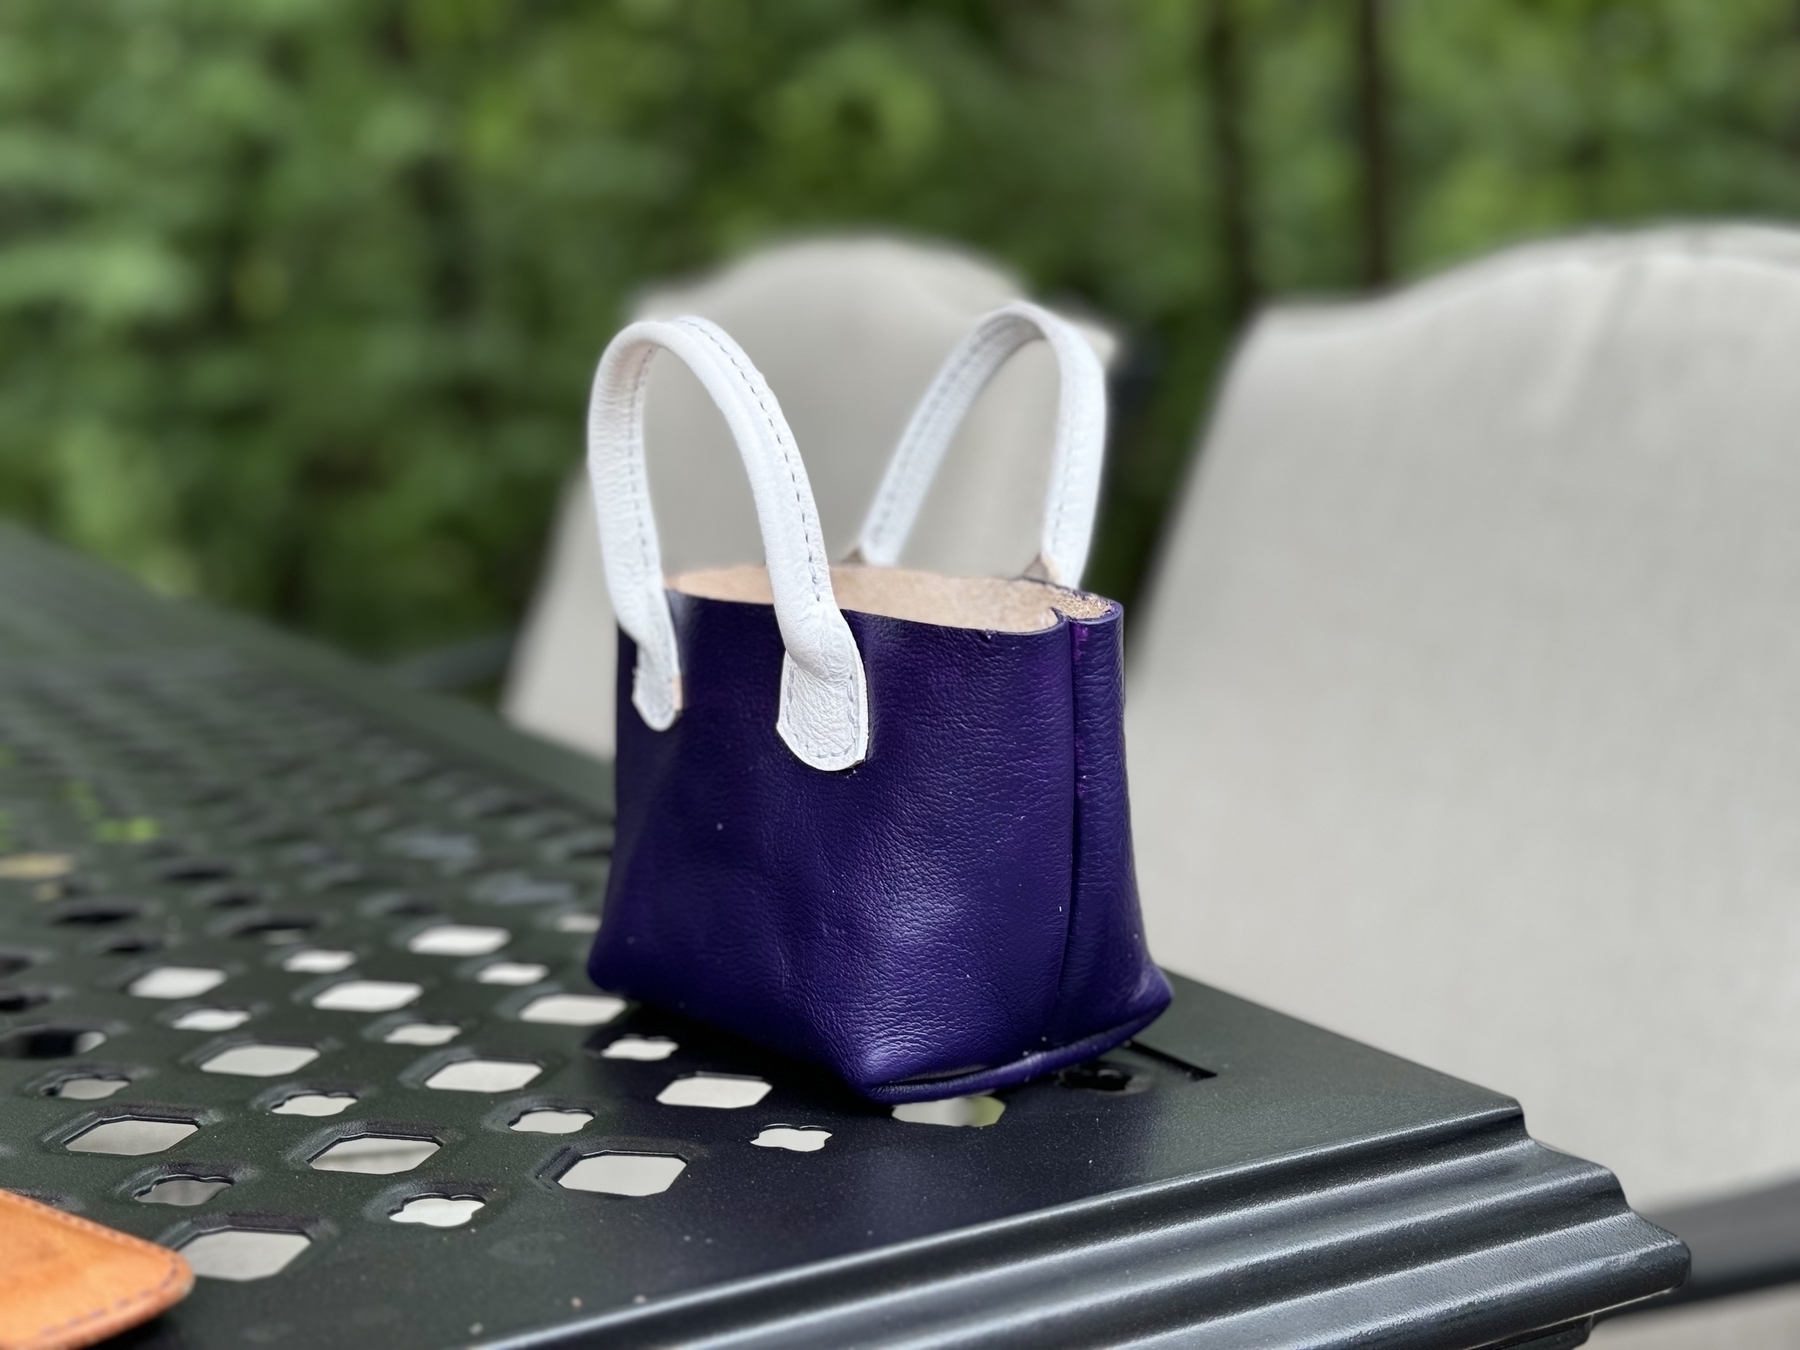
(942, 386)
(787, 450)
(945, 407)
(640, 390)
(1067, 467)
(787, 459)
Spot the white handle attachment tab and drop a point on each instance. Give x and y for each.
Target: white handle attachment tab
(1079, 450)
(824, 712)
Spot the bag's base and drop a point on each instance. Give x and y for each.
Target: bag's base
(1014, 1072)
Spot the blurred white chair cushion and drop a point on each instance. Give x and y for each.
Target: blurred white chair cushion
(1467, 719)
(1767, 1320)
(848, 333)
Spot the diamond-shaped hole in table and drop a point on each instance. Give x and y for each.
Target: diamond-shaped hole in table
(319, 961)
(633, 1174)
(95, 916)
(183, 1190)
(483, 1075)
(974, 1112)
(368, 996)
(89, 1087)
(572, 1010)
(512, 972)
(260, 1060)
(458, 939)
(277, 930)
(131, 944)
(211, 1019)
(374, 1154)
(422, 1033)
(646, 1049)
(132, 1136)
(49, 1042)
(243, 1253)
(176, 982)
(720, 1091)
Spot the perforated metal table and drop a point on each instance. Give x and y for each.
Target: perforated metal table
(309, 949)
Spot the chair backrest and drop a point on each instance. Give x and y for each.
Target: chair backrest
(1467, 716)
(849, 333)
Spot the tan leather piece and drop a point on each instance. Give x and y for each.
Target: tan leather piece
(997, 604)
(66, 1282)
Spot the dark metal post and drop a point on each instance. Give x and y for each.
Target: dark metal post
(1221, 60)
(1373, 143)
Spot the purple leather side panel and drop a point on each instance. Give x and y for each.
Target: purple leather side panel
(1108, 977)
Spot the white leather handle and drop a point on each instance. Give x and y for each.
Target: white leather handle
(824, 715)
(1079, 450)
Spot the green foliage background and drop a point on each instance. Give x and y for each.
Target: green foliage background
(298, 298)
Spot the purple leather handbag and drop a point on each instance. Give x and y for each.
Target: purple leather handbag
(870, 817)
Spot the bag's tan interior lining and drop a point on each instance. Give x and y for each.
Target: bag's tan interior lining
(990, 603)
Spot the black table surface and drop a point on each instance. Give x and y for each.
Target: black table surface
(226, 796)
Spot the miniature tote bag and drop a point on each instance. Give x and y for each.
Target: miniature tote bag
(870, 817)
